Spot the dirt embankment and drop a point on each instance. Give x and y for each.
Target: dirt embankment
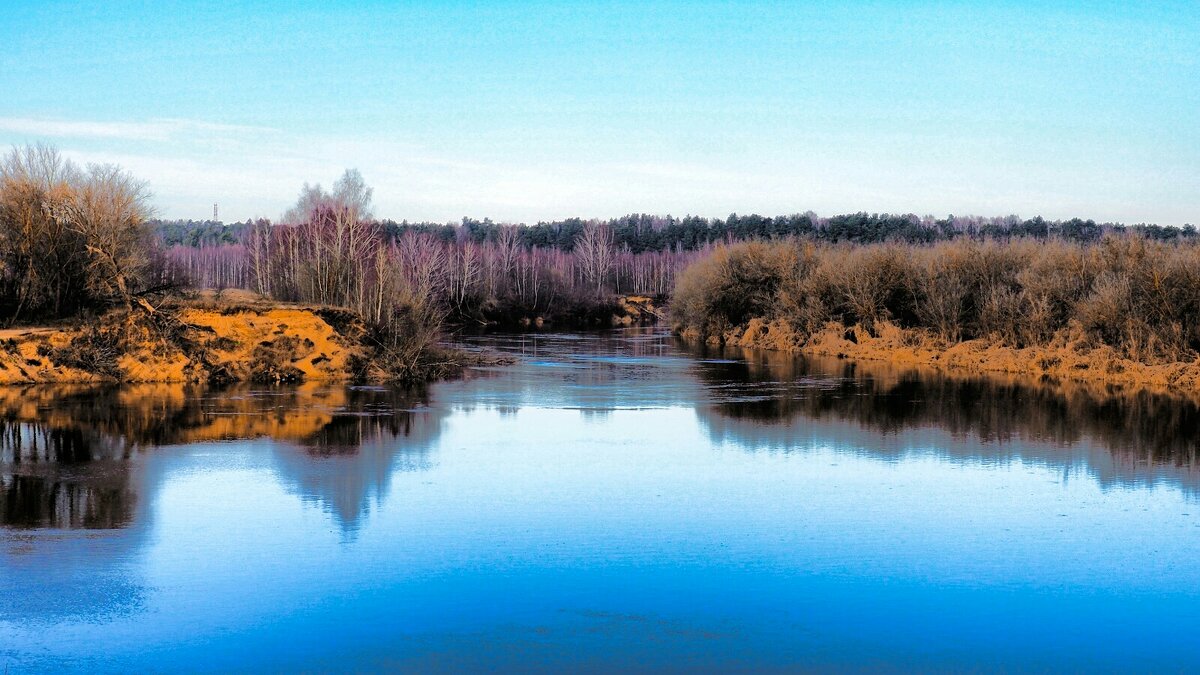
(636, 310)
(232, 339)
(1070, 356)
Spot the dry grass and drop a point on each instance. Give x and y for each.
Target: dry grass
(1125, 301)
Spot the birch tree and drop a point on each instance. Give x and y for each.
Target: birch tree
(595, 252)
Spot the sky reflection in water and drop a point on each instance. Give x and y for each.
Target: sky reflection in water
(613, 501)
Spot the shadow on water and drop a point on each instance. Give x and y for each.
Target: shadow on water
(761, 399)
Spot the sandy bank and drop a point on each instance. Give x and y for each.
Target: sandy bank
(232, 339)
(1070, 356)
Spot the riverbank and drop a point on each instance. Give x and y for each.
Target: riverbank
(219, 339)
(596, 312)
(1069, 356)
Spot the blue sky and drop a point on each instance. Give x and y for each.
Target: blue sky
(523, 111)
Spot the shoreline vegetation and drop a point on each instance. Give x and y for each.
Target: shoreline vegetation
(90, 292)
(219, 339)
(1123, 311)
(78, 254)
(332, 293)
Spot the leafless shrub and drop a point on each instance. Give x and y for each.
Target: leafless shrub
(732, 285)
(1138, 296)
(96, 350)
(69, 238)
(875, 283)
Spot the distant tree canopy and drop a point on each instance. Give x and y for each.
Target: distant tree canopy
(643, 232)
(199, 232)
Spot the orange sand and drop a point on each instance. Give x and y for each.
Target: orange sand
(1070, 356)
(234, 342)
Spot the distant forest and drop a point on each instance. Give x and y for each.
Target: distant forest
(638, 233)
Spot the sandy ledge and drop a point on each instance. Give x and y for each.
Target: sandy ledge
(1069, 357)
(237, 338)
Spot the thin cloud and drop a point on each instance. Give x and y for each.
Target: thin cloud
(165, 129)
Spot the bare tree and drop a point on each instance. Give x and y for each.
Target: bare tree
(259, 247)
(507, 246)
(336, 243)
(42, 265)
(358, 236)
(109, 210)
(310, 197)
(464, 271)
(596, 253)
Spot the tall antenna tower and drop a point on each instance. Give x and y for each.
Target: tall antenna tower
(215, 212)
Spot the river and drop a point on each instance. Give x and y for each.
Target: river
(615, 501)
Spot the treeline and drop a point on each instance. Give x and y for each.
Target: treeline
(200, 232)
(326, 251)
(567, 271)
(1132, 293)
(329, 249)
(642, 232)
(637, 233)
(71, 238)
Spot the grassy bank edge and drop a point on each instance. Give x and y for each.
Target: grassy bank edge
(224, 342)
(1069, 356)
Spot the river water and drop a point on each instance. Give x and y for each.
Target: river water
(613, 502)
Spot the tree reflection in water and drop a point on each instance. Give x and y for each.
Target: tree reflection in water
(79, 459)
(773, 400)
(69, 456)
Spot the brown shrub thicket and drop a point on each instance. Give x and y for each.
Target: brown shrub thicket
(1138, 296)
(71, 238)
(734, 284)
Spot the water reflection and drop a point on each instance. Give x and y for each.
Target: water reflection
(73, 457)
(348, 462)
(593, 373)
(616, 500)
(767, 399)
(62, 478)
(37, 501)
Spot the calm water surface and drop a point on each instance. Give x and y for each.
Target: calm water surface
(613, 502)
